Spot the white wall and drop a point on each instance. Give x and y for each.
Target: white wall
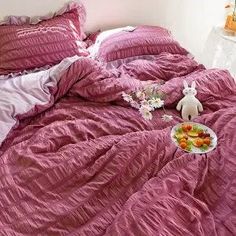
(189, 20)
(108, 13)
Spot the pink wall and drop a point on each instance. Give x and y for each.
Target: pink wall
(110, 13)
(101, 13)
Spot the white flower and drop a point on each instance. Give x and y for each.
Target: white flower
(167, 118)
(147, 115)
(134, 104)
(156, 102)
(127, 97)
(145, 112)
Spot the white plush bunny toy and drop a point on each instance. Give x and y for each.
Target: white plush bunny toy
(190, 104)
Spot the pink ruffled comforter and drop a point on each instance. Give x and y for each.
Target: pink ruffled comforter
(90, 165)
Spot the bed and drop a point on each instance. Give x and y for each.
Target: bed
(76, 159)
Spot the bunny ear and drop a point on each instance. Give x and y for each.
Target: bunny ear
(193, 84)
(185, 84)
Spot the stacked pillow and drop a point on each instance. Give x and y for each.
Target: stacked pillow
(29, 43)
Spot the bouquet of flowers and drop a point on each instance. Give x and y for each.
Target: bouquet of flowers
(147, 100)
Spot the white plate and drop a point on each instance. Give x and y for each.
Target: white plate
(195, 149)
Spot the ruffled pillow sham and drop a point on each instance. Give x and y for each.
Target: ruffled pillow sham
(28, 43)
(119, 45)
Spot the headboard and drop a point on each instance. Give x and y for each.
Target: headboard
(101, 14)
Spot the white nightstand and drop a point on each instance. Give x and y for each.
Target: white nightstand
(220, 51)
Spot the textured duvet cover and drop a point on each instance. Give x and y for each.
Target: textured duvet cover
(82, 162)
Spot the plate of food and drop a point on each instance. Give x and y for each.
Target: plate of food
(194, 137)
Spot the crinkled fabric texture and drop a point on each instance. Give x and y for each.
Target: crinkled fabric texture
(144, 40)
(90, 165)
(28, 43)
(28, 95)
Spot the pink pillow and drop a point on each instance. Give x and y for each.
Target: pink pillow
(28, 43)
(143, 40)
